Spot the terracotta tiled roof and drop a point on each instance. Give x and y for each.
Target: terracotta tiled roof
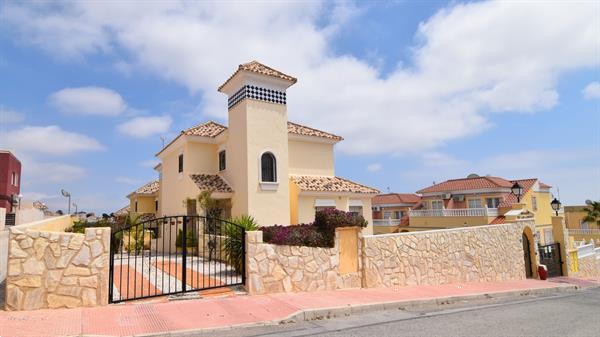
(542, 185)
(259, 68)
(122, 211)
(498, 220)
(212, 129)
(211, 182)
(307, 131)
(468, 184)
(149, 188)
(330, 184)
(396, 198)
(208, 129)
(510, 198)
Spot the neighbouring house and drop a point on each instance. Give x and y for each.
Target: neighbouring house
(482, 200)
(579, 229)
(10, 185)
(144, 200)
(259, 164)
(390, 211)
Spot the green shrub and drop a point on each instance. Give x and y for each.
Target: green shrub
(191, 239)
(234, 241)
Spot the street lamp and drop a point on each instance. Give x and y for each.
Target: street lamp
(555, 205)
(75, 205)
(67, 195)
(517, 190)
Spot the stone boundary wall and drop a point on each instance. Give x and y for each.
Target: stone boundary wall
(48, 268)
(476, 254)
(588, 262)
(278, 268)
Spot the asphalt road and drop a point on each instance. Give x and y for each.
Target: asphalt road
(567, 314)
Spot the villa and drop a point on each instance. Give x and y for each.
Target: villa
(259, 164)
(482, 200)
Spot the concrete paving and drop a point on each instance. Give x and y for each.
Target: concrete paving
(206, 315)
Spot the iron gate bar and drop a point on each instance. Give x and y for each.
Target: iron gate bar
(207, 238)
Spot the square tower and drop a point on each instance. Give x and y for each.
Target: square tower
(257, 143)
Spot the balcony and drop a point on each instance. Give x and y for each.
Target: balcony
(386, 222)
(462, 212)
(591, 231)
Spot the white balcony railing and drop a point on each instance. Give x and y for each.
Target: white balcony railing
(591, 231)
(386, 222)
(454, 212)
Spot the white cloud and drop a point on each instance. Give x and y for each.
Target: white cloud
(8, 116)
(375, 167)
(89, 101)
(126, 180)
(592, 91)
(438, 159)
(41, 172)
(50, 140)
(142, 127)
(470, 59)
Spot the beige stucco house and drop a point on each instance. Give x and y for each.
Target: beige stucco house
(260, 164)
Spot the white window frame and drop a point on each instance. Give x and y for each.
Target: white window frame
(439, 203)
(478, 200)
(493, 202)
(534, 204)
(387, 214)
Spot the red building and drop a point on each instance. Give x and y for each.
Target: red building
(10, 181)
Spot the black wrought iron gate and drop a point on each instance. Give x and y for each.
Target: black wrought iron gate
(550, 256)
(175, 254)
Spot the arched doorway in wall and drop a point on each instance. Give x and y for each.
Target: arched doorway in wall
(529, 255)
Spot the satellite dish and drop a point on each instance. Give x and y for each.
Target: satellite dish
(473, 175)
(588, 202)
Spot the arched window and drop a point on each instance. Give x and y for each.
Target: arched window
(268, 167)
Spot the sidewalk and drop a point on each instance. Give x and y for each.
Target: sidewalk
(155, 318)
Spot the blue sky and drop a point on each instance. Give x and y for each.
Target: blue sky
(421, 91)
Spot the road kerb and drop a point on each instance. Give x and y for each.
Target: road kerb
(347, 310)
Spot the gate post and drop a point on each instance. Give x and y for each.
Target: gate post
(561, 236)
(184, 254)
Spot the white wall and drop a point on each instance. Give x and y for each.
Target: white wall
(3, 254)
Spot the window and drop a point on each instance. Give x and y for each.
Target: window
(355, 210)
(268, 167)
(492, 202)
(180, 163)
(548, 239)
(437, 204)
(323, 204)
(156, 205)
(474, 203)
(222, 164)
(533, 203)
(387, 215)
(584, 225)
(135, 208)
(14, 179)
(399, 214)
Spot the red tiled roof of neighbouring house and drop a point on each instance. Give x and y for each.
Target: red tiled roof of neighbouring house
(211, 182)
(510, 199)
(498, 220)
(330, 184)
(542, 185)
(464, 184)
(207, 129)
(122, 211)
(396, 198)
(259, 68)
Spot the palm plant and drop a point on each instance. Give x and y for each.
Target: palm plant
(233, 247)
(593, 212)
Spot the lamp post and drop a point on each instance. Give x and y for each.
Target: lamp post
(555, 203)
(517, 190)
(75, 205)
(67, 195)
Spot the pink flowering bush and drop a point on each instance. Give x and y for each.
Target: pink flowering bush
(321, 233)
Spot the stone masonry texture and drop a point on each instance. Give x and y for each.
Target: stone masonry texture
(57, 270)
(272, 268)
(478, 254)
